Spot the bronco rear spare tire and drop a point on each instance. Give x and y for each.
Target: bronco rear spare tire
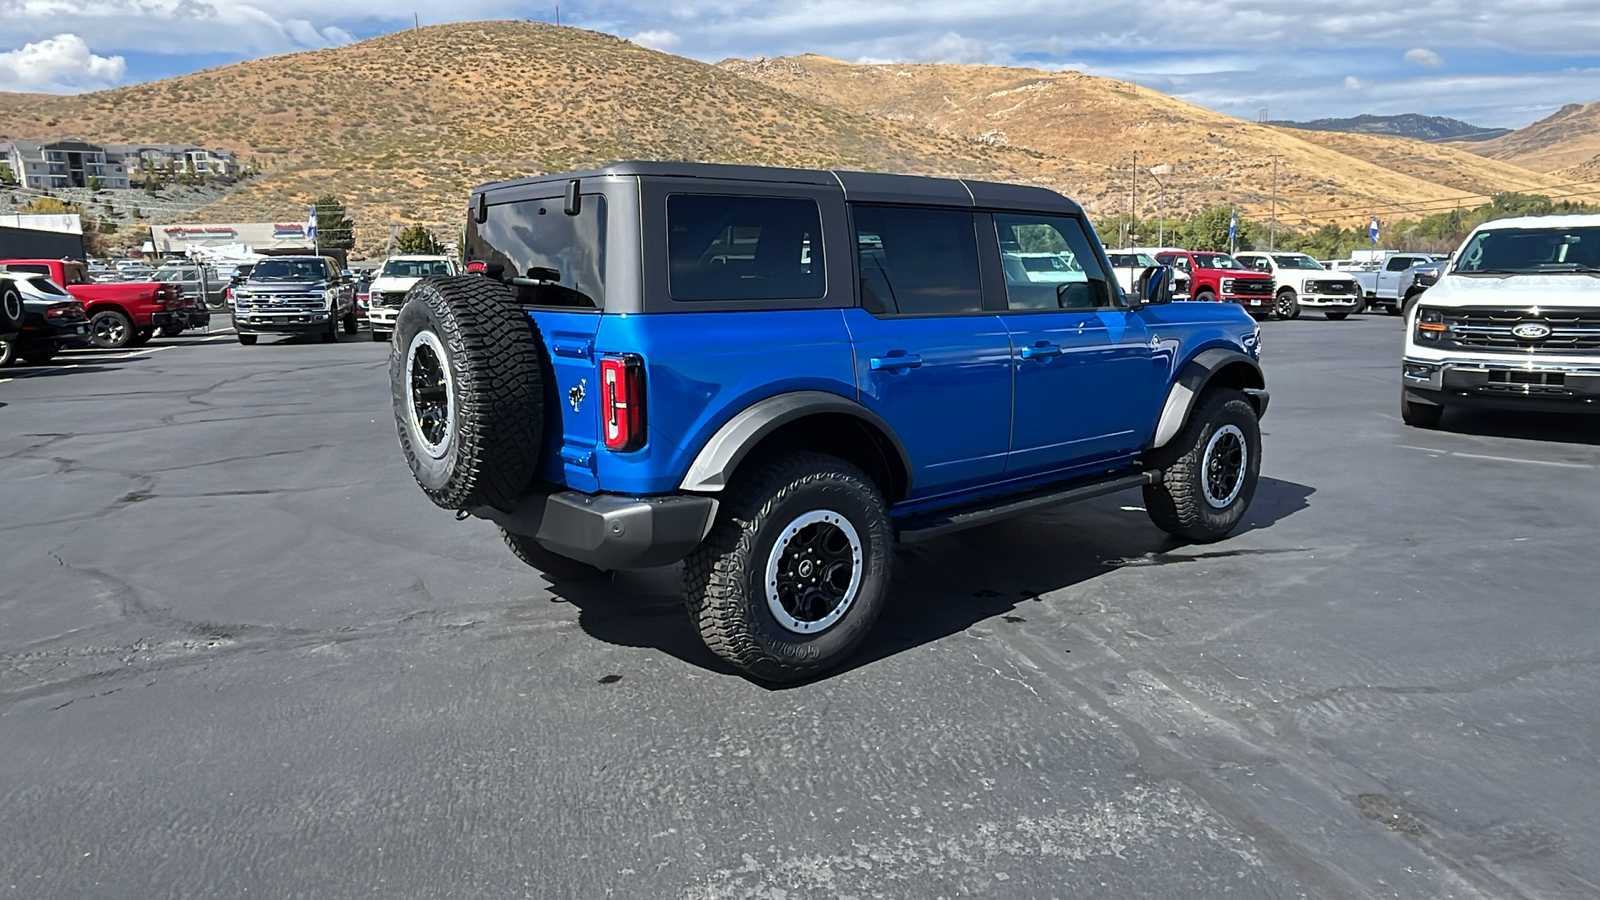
(466, 379)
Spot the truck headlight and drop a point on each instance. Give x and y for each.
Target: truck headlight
(1313, 287)
(1227, 285)
(1430, 324)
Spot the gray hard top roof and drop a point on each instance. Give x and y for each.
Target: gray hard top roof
(870, 187)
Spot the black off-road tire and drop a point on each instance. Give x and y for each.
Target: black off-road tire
(725, 578)
(492, 391)
(555, 566)
(1178, 503)
(1286, 304)
(352, 325)
(1336, 316)
(249, 340)
(11, 308)
(110, 329)
(1419, 415)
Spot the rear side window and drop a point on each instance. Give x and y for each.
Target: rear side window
(548, 257)
(724, 247)
(917, 261)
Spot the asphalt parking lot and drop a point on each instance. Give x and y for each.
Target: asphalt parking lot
(242, 655)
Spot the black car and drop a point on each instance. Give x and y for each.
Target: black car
(51, 321)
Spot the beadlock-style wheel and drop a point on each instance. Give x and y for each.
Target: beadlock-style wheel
(813, 572)
(428, 393)
(1223, 466)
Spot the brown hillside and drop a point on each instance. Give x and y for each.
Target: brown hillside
(1098, 123)
(401, 126)
(1569, 138)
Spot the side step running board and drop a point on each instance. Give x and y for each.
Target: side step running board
(932, 525)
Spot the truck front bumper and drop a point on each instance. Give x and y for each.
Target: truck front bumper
(609, 531)
(1251, 301)
(1522, 384)
(381, 318)
(1331, 301)
(280, 323)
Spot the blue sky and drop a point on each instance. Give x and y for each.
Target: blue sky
(1490, 63)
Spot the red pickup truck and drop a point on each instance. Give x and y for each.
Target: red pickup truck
(1218, 276)
(120, 314)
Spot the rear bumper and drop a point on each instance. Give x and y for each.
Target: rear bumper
(609, 531)
(1526, 384)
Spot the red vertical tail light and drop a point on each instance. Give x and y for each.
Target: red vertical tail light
(622, 401)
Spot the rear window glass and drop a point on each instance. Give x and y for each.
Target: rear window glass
(721, 247)
(917, 261)
(548, 257)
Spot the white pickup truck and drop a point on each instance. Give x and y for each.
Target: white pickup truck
(1391, 282)
(1514, 321)
(388, 291)
(1304, 284)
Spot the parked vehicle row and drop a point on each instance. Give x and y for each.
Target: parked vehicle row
(45, 317)
(121, 314)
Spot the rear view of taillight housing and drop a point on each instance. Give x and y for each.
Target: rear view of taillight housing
(622, 401)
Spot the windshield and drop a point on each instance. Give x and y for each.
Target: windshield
(1295, 261)
(416, 268)
(289, 270)
(166, 276)
(1216, 261)
(1523, 251)
(1130, 260)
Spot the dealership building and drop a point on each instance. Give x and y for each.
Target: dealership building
(267, 238)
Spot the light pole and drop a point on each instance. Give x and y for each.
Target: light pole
(1133, 206)
(1156, 172)
(1272, 232)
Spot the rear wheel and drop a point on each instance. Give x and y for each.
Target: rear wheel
(795, 571)
(1419, 415)
(171, 330)
(110, 329)
(142, 336)
(11, 311)
(467, 383)
(1209, 471)
(249, 340)
(1393, 309)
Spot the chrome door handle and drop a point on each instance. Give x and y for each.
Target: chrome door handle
(892, 363)
(1041, 351)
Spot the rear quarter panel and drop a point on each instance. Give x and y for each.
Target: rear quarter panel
(703, 368)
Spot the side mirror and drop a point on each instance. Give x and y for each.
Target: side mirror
(1155, 285)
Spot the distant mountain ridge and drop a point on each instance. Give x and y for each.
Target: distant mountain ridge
(1411, 125)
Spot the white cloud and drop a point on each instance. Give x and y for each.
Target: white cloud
(953, 48)
(60, 65)
(658, 39)
(1424, 57)
(1352, 83)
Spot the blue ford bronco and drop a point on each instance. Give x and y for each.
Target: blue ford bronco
(774, 375)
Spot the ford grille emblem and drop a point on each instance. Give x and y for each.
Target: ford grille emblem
(1531, 331)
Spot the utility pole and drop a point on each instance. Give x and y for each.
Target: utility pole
(1272, 232)
(1156, 172)
(416, 22)
(1133, 206)
(558, 15)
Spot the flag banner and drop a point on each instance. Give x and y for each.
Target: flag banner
(1372, 231)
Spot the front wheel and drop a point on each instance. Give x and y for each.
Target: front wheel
(1419, 415)
(380, 336)
(1205, 296)
(351, 323)
(795, 571)
(249, 340)
(1287, 305)
(1209, 471)
(1336, 316)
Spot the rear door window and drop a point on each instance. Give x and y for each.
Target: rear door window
(722, 247)
(548, 257)
(917, 261)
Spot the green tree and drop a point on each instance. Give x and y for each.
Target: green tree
(416, 239)
(7, 178)
(1209, 231)
(94, 184)
(47, 206)
(335, 230)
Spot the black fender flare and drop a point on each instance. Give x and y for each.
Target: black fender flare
(1192, 381)
(725, 449)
